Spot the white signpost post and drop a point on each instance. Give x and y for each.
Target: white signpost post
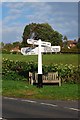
(39, 65)
(39, 43)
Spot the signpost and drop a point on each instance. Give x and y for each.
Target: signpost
(39, 65)
(39, 43)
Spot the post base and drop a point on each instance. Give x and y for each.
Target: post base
(39, 81)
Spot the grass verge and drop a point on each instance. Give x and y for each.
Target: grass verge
(24, 90)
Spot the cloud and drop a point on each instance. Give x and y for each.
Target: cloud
(58, 17)
(8, 19)
(62, 17)
(17, 5)
(40, 12)
(12, 33)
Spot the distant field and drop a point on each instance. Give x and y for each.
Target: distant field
(47, 59)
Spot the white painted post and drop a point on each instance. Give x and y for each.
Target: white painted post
(39, 58)
(39, 65)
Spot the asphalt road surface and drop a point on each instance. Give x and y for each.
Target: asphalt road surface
(25, 108)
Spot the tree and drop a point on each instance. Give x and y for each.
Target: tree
(16, 44)
(65, 41)
(65, 38)
(78, 44)
(1, 44)
(42, 31)
(8, 46)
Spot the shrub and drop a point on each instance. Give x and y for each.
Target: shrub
(73, 50)
(76, 75)
(12, 75)
(4, 51)
(17, 70)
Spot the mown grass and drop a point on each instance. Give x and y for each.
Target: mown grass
(24, 90)
(47, 58)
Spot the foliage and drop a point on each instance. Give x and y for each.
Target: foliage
(16, 69)
(65, 41)
(1, 44)
(7, 47)
(12, 75)
(4, 51)
(65, 38)
(42, 31)
(71, 50)
(19, 70)
(15, 44)
(78, 44)
(76, 75)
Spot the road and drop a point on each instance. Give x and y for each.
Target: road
(24, 108)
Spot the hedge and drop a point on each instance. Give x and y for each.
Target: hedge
(17, 70)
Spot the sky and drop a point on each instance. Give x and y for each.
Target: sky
(39, 0)
(62, 16)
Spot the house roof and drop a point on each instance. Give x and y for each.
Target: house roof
(72, 41)
(15, 49)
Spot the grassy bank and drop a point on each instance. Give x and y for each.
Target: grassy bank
(24, 90)
(47, 59)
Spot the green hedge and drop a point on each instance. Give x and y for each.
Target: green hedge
(5, 52)
(73, 50)
(17, 70)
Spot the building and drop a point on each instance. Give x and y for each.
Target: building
(15, 49)
(71, 43)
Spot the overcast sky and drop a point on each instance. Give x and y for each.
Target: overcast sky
(62, 16)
